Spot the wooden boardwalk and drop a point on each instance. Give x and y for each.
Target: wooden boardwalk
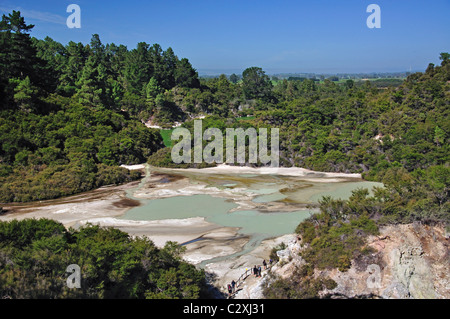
(242, 278)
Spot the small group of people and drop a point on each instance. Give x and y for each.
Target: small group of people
(231, 288)
(256, 271)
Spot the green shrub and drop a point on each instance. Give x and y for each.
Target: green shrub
(35, 255)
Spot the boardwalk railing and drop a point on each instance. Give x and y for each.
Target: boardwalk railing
(243, 277)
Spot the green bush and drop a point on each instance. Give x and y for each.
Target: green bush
(336, 235)
(35, 255)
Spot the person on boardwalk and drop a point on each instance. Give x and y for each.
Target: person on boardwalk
(233, 286)
(229, 290)
(264, 264)
(259, 271)
(255, 271)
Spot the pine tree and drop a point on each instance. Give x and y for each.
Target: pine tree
(152, 89)
(169, 60)
(138, 68)
(25, 94)
(155, 58)
(116, 56)
(17, 54)
(5, 47)
(97, 48)
(73, 68)
(92, 83)
(185, 75)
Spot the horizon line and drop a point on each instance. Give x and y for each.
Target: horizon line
(228, 72)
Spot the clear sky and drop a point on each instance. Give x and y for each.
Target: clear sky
(321, 36)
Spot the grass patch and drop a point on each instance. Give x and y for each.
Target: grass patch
(246, 118)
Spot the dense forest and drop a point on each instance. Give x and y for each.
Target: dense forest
(34, 255)
(70, 115)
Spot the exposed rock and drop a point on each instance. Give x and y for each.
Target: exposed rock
(257, 290)
(284, 255)
(396, 290)
(413, 271)
(410, 261)
(289, 258)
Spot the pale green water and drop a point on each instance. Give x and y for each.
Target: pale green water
(216, 210)
(310, 192)
(257, 225)
(307, 192)
(268, 224)
(268, 188)
(180, 207)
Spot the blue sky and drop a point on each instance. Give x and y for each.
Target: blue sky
(321, 36)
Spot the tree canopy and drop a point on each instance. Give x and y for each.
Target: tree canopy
(36, 253)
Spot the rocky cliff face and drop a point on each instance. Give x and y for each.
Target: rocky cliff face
(410, 261)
